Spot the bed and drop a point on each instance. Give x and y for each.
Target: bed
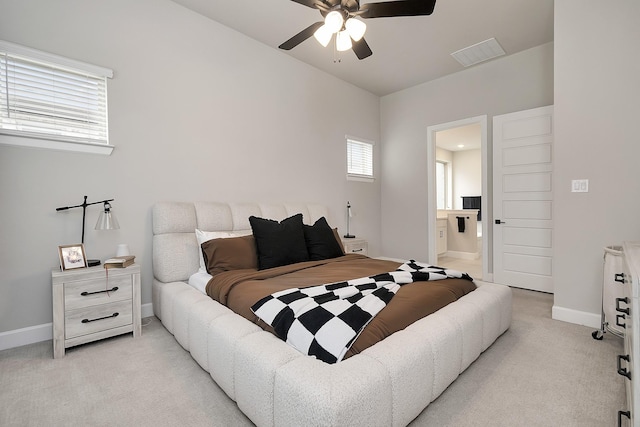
(386, 384)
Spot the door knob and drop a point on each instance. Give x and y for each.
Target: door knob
(500, 222)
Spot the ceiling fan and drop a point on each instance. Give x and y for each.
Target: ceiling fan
(340, 19)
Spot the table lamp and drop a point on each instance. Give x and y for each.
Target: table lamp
(349, 215)
(106, 220)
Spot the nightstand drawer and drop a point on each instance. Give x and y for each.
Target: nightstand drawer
(88, 293)
(92, 319)
(355, 246)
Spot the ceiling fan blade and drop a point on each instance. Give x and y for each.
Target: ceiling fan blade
(301, 36)
(398, 8)
(361, 48)
(308, 3)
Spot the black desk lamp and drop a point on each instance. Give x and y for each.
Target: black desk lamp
(348, 236)
(106, 220)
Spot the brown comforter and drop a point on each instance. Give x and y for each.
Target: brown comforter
(240, 289)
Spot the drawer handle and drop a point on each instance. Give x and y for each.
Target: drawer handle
(622, 310)
(623, 371)
(84, 294)
(622, 325)
(100, 318)
(356, 250)
(619, 277)
(621, 414)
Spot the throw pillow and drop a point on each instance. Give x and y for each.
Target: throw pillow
(203, 236)
(279, 243)
(321, 241)
(232, 253)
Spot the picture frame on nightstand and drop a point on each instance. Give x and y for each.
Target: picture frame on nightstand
(72, 256)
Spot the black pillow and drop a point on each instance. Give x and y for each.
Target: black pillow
(279, 243)
(321, 241)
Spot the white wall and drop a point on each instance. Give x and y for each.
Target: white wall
(592, 80)
(467, 175)
(512, 83)
(444, 155)
(197, 112)
(596, 114)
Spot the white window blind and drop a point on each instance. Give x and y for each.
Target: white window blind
(42, 96)
(359, 158)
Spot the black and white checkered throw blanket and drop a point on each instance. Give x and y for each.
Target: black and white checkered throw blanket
(324, 321)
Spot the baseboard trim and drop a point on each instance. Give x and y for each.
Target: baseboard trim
(24, 336)
(146, 310)
(578, 317)
(44, 332)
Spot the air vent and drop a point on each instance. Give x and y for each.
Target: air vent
(479, 52)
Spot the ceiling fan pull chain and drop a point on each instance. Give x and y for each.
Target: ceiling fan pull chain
(336, 54)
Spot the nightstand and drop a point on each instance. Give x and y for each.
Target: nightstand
(89, 305)
(355, 246)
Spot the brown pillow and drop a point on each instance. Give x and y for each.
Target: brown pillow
(232, 253)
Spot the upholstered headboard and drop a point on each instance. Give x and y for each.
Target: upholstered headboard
(175, 248)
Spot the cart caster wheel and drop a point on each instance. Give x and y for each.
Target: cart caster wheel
(597, 335)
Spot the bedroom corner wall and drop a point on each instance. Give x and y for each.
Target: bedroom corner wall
(512, 83)
(197, 112)
(596, 115)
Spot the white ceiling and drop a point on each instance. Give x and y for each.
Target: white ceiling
(406, 50)
(468, 136)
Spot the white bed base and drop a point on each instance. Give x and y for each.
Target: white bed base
(388, 384)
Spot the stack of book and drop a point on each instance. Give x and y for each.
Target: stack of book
(119, 261)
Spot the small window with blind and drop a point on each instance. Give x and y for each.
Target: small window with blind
(359, 159)
(48, 101)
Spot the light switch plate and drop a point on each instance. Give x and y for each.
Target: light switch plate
(580, 186)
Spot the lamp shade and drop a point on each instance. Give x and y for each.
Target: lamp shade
(323, 35)
(343, 41)
(356, 28)
(333, 21)
(107, 220)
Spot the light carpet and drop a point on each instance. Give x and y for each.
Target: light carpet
(541, 372)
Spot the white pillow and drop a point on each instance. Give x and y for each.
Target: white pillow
(205, 236)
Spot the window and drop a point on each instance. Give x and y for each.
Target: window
(359, 159)
(444, 189)
(441, 185)
(49, 101)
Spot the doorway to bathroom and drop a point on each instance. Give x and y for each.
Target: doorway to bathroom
(457, 170)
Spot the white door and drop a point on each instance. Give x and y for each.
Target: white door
(522, 199)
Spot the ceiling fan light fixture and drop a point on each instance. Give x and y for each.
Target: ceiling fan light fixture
(333, 21)
(323, 35)
(339, 19)
(343, 41)
(356, 28)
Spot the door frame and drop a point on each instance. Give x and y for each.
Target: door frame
(487, 216)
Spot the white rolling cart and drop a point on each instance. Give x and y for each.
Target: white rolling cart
(612, 288)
